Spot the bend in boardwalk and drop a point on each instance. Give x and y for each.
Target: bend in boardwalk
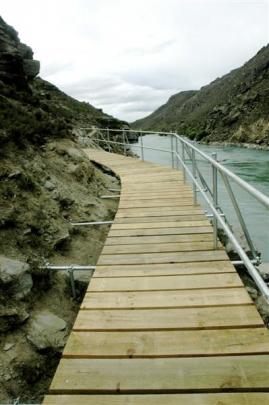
(166, 318)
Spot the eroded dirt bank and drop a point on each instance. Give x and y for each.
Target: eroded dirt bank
(41, 191)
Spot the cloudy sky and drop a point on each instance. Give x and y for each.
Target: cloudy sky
(128, 56)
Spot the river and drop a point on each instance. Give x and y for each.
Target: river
(250, 164)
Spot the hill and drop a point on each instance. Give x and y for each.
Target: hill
(46, 180)
(233, 108)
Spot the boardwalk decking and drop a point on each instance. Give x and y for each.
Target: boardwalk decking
(166, 319)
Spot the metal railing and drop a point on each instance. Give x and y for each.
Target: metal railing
(184, 155)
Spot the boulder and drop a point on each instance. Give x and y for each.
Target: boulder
(47, 331)
(263, 308)
(31, 68)
(11, 317)
(15, 278)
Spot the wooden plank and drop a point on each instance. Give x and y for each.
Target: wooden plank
(170, 269)
(160, 231)
(147, 258)
(128, 191)
(143, 225)
(137, 240)
(189, 282)
(161, 375)
(149, 177)
(151, 188)
(158, 247)
(154, 344)
(180, 192)
(250, 398)
(166, 299)
(168, 319)
(170, 218)
(135, 203)
(160, 196)
(157, 211)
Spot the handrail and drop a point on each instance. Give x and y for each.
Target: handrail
(195, 175)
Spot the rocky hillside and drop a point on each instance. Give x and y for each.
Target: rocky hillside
(46, 181)
(233, 108)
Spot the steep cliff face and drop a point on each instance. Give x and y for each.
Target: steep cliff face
(32, 109)
(233, 108)
(16, 59)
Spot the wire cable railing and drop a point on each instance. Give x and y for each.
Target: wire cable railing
(186, 156)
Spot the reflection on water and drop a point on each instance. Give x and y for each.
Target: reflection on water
(250, 164)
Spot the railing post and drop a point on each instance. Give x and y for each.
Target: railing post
(215, 201)
(172, 150)
(194, 172)
(183, 160)
(72, 282)
(141, 146)
(108, 139)
(177, 160)
(123, 141)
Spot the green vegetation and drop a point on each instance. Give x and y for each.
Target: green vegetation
(233, 108)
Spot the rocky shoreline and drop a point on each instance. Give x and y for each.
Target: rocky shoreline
(236, 144)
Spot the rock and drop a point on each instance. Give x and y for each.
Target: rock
(14, 277)
(10, 318)
(252, 292)
(31, 68)
(8, 346)
(16, 59)
(264, 270)
(49, 185)
(47, 331)
(263, 308)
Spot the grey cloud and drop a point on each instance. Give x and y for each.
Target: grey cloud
(150, 50)
(54, 68)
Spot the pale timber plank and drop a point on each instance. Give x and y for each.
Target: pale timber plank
(161, 375)
(160, 196)
(157, 211)
(137, 240)
(158, 247)
(154, 344)
(169, 269)
(170, 218)
(166, 299)
(250, 398)
(199, 281)
(160, 231)
(143, 225)
(135, 203)
(168, 319)
(162, 257)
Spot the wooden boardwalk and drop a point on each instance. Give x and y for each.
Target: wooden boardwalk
(166, 319)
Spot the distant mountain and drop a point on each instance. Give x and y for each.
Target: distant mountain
(234, 108)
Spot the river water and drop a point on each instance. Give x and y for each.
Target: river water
(250, 164)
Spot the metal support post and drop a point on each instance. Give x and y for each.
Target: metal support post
(172, 150)
(108, 140)
(183, 161)
(104, 197)
(123, 141)
(72, 282)
(194, 172)
(239, 215)
(215, 201)
(142, 146)
(91, 223)
(177, 160)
